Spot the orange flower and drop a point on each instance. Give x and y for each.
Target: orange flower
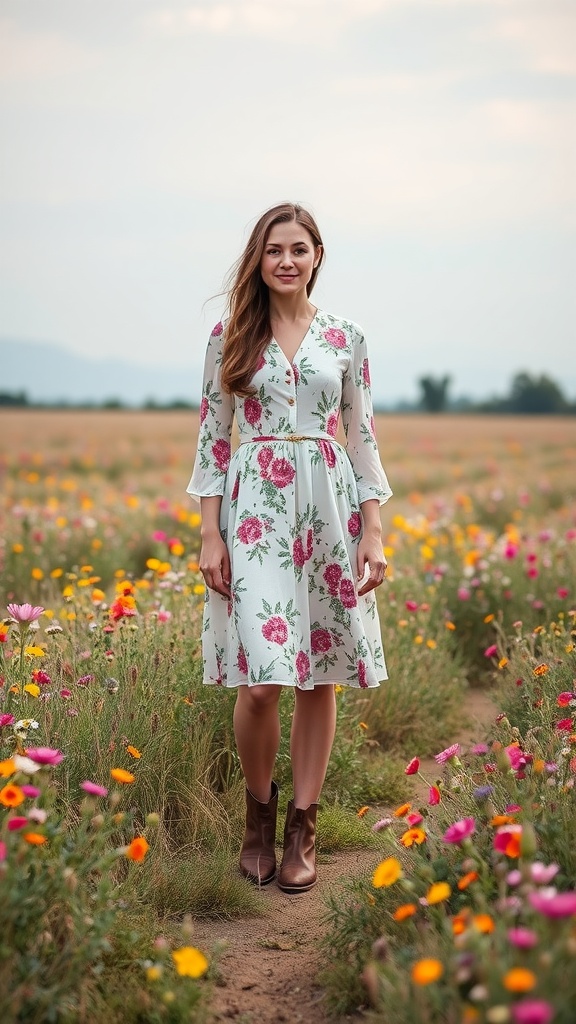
(404, 911)
(133, 751)
(503, 819)
(460, 922)
(7, 768)
(34, 838)
(484, 923)
(11, 795)
(387, 872)
(541, 670)
(519, 979)
(121, 775)
(363, 810)
(402, 810)
(413, 835)
(438, 892)
(426, 971)
(467, 879)
(138, 849)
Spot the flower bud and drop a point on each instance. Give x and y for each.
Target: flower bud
(118, 818)
(380, 948)
(369, 978)
(153, 819)
(97, 821)
(528, 841)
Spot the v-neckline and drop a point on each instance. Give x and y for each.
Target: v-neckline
(297, 352)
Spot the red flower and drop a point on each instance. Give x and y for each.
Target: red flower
(361, 668)
(235, 489)
(250, 530)
(204, 407)
(327, 453)
(412, 606)
(253, 411)
(302, 666)
(298, 553)
(242, 661)
(281, 472)
(320, 641)
(221, 453)
(347, 593)
(275, 629)
(366, 373)
(355, 524)
(564, 725)
(217, 330)
(264, 458)
(433, 796)
(332, 424)
(412, 767)
(333, 574)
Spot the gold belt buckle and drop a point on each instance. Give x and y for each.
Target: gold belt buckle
(296, 437)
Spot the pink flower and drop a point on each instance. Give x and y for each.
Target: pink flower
(85, 680)
(504, 836)
(445, 755)
(355, 524)
(511, 550)
(93, 788)
(332, 424)
(253, 411)
(281, 472)
(302, 666)
(65, 694)
(335, 337)
(414, 819)
(320, 641)
(560, 904)
(532, 1011)
(221, 453)
(250, 530)
(433, 796)
(412, 767)
(264, 458)
(412, 606)
(16, 823)
(532, 572)
(366, 373)
(564, 725)
(479, 748)
(361, 669)
(24, 613)
(347, 593)
(298, 553)
(41, 677)
(542, 874)
(562, 592)
(522, 938)
(563, 699)
(235, 489)
(516, 757)
(275, 629)
(491, 651)
(6, 719)
(31, 791)
(204, 408)
(3, 851)
(333, 574)
(382, 823)
(217, 330)
(242, 661)
(328, 453)
(309, 543)
(463, 594)
(460, 830)
(45, 755)
(159, 536)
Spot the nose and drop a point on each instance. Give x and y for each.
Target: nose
(286, 260)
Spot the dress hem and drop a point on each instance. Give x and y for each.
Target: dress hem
(296, 686)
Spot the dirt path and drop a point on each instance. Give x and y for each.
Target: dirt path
(269, 966)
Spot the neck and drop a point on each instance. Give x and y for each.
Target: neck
(291, 308)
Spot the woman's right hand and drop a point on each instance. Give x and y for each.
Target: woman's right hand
(215, 564)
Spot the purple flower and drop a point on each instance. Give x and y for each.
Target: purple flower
(482, 792)
(382, 823)
(460, 831)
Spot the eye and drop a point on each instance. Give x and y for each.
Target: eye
(301, 252)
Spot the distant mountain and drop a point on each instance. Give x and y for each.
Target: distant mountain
(50, 373)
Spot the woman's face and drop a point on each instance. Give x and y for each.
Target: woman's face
(289, 258)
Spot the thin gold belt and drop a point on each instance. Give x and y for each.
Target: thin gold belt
(287, 437)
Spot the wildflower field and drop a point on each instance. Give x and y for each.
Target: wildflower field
(120, 791)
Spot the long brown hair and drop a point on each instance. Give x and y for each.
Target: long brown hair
(248, 329)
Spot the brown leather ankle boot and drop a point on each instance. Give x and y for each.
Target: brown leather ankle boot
(258, 856)
(298, 870)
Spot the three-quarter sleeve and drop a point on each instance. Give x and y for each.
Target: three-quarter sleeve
(358, 423)
(216, 416)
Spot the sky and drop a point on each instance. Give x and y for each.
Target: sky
(434, 140)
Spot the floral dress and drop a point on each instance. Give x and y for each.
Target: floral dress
(290, 514)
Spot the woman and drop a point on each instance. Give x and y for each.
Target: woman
(291, 533)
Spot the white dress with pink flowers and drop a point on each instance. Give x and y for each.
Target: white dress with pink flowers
(290, 514)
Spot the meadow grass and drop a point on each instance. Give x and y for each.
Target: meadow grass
(96, 529)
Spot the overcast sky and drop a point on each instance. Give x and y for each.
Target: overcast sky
(433, 139)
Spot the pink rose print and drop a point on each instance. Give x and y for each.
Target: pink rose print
(281, 472)
(372, 427)
(320, 641)
(296, 373)
(335, 337)
(355, 524)
(242, 661)
(366, 373)
(218, 330)
(327, 453)
(204, 407)
(333, 574)
(264, 457)
(361, 668)
(235, 489)
(250, 530)
(221, 453)
(261, 362)
(253, 411)
(298, 553)
(309, 544)
(302, 666)
(347, 593)
(332, 424)
(275, 629)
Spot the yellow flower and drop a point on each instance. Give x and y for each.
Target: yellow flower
(154, 972)
(438, 892)
(133, 751)
(33, 689)
(35, 651)
(17, 549)
(426, 971)
(56, 573)
(431, 644)
(190, 962)
(121, 775)
(199, 588)
(98, 595)
(387, 872)
(519, 979)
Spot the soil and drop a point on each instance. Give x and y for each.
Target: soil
(268, 966)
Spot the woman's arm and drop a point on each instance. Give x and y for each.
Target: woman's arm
(370, 547)
(214, 557)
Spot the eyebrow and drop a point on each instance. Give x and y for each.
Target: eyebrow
(293, 243)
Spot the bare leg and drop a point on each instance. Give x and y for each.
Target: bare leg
(311, 739)
(257, 732)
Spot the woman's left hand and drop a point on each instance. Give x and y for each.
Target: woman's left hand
(370, 553)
